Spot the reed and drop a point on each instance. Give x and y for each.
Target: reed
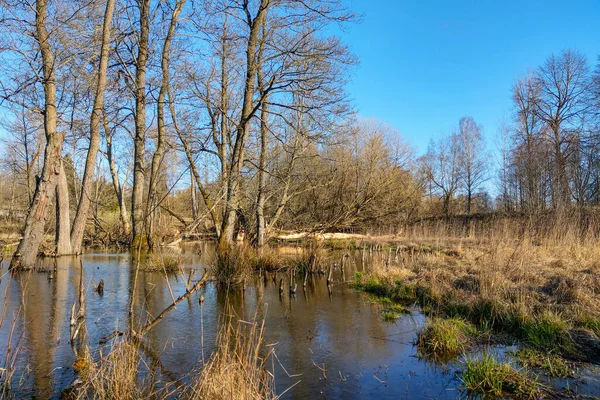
(114, 375)
(237, 369)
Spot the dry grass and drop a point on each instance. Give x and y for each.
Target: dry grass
(113, 376)
(237, 369)
(158, 262)
(511, 278)
(233, 264)
(236, 263)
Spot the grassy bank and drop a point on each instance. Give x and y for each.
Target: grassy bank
(536, 293)
(543, 296)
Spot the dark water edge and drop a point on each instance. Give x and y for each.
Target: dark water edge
(329, 343)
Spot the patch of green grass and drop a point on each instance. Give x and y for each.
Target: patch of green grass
(493, 315)
(547, 332)
(490, 378)
(550, 364)
(444, 339)
(373, 286)
(397, 308)
(382, 300)
(592, 324)
(390, 316)
(396, 291)
(390, 310)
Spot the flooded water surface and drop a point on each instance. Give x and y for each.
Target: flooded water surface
(329, 343)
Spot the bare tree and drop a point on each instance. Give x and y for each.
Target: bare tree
(81, 215)
(157, 159)
(473, 158)
(139, 170)
(565, 87)
(26, 253)
(441, 167)
(528, 142)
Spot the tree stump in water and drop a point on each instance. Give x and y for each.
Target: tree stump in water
(100, 287)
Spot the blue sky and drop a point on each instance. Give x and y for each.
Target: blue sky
(425, 64)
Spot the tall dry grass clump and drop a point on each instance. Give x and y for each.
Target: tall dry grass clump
(233, 264)
(158, 262)
(113, 376)
(237, 369)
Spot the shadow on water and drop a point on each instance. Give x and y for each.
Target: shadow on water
(330, 342)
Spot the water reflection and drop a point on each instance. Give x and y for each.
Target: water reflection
(330, 342)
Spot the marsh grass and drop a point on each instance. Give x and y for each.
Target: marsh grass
(551, 364)
(311, 259)
(266, 259)
(445, 339)
(591, 324)
(547, 332)
(237, 369)
(233, 264)
(390, 316)
(534, 284)
(488, 377)
(236, 263)
(161, 263)
(114, 375)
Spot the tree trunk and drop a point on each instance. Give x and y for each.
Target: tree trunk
(446, 209)
(116, 184)
(193, 201)
(157, 158)
(81, 215)
(137, 200)
(262, 161)
(63, 215)
(469, 200)
(26, 253)
(262, 180)
(237, 155)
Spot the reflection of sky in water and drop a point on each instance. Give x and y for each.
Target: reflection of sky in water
(363, 356)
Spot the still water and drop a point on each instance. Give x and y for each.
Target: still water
(329, 343)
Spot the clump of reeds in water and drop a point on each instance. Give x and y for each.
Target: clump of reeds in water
(161, 263)
(312, 259)
(266, 259)
(232, 264)
(237, 368)
(113, 376)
